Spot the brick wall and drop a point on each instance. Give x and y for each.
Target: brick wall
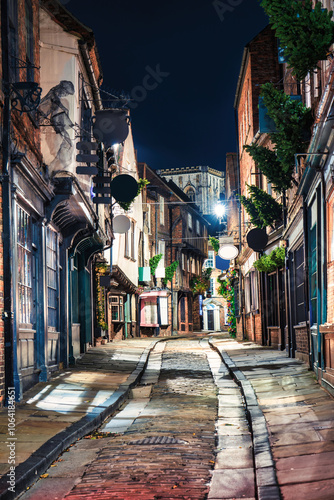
(302, 348)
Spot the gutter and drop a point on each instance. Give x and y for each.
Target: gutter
(91, 75)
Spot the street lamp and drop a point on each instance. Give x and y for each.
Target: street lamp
(220, 210)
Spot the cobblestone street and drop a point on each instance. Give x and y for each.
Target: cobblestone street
(162, 445)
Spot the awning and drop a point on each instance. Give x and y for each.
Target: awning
(154, 293)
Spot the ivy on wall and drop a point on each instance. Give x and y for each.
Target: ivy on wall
(305, 32)
(170, 271)
(214, 242)
(153, 262)
(269, 263)
(226, 290)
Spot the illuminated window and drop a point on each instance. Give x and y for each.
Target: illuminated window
(117, 308)
(24, 266)
(52, 278)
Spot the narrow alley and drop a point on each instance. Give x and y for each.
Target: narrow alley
(189, 431)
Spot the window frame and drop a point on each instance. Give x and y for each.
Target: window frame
(55, 271)
(190, 222)
(161, 210)
(116, 301)
(25, 268)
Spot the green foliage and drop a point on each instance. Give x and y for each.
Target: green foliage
(141, 184)
(214, 243)
(266, 160)
(305, 33)
(269, 263)
(199, 284)
(169, 272)
(293, 123)
(154, 261)
(222, 290)
(101, 269)
(226, 289)
(261, 207)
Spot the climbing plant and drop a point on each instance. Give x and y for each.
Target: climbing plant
(100, 270)
(305, 32)
(226, 290)
(269, 263)
(293, 123)
(170, 271)
(153, 262)
(214, 243)
(261, 207)
(200, 284)
(141, 184)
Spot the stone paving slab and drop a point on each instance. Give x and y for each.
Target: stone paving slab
(54, 414)
(232, 483)
(299, 416)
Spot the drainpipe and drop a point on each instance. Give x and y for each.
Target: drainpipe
(324, 265)
(171, 260)
(7, 315)
(306, 278)
(239, 203)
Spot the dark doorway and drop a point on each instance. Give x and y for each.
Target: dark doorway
(211, 322)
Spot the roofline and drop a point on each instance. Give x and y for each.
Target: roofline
(170, 189)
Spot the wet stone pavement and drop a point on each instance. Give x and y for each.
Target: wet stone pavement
(163, 442)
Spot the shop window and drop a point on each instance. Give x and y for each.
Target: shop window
(254, 291)
(117, 308)
(24, 266)
(247, 294)
(52, 278)
(297, 285)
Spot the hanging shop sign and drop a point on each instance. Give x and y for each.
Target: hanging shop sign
(257, 239)
(111, 126)
(228, 252)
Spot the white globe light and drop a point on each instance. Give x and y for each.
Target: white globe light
(220, 210)
(228, 252)
(121, 224)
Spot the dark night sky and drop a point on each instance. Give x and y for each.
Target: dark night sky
(188, 119)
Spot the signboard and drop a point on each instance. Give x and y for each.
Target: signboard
(200, 300)
(163, 305)
(149, 312)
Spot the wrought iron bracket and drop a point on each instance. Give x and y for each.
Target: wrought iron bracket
(25, 96)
